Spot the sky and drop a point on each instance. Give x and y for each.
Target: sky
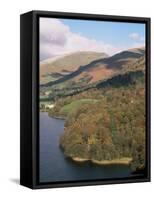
(62, 36)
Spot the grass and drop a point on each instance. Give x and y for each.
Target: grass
(47, 79)
(75, 104)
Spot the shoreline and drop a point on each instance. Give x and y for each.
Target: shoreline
(52, 116)
(123, 161)
(56, 117)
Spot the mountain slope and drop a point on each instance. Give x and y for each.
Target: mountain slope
(104, 68)
(129, 75)
(55, 68)
(101, 69)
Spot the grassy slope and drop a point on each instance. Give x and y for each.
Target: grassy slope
(69, 62)
(126, 75)
(103, 69)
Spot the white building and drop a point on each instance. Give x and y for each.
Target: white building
(49, 106)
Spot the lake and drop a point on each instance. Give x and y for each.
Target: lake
(55, 167)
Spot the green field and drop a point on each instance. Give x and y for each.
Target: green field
(76, 104)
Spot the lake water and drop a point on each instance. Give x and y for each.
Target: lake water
(55, 167)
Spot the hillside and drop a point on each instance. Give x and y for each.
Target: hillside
(133, 75)
(101, 69)
(57, 67)
(116, 129)
(122, 79)
(104, 68)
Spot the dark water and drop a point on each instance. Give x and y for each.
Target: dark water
(55, 167)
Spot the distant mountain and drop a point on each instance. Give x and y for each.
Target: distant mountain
(104, 68)
(125, 57)
(57, 67)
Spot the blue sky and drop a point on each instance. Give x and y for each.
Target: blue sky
(62, 36)
(115, 33)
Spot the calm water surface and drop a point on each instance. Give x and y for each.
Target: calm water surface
(55, 167)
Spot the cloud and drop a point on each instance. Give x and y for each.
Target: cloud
(56, 38)
(136, 37)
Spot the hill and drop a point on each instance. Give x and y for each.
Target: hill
(57, 67)
(101, 69)
(113, 128)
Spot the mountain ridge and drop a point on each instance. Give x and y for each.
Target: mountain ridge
(68, 63)
(102, 68)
